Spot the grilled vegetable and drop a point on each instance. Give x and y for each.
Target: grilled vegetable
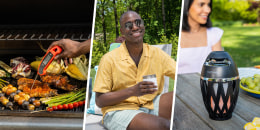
(79, 68)
(66, 106)
(3, 83)
(60, 107)
(9, 89)
(16, 98)
(31, 107)
(70, 106)
(67, 98)
(6, 102)
(53, 68)
(15, 61)
(25, 105)
(21, 94)
(32, 99)
(2, 94)
(36, 103)
(12, 95)
(18, 91)
(26, 97)
(21, 100)
(2, 73)
(21, 70)
(50, 109)
(6, 67)
(20, 67)
(9, 105)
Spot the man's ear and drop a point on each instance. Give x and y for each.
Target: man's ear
(121, 30)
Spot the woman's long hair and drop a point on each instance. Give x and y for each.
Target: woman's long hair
(185, 23)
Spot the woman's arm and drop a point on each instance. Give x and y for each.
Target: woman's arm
(217, 46)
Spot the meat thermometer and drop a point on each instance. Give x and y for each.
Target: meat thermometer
(46, 61)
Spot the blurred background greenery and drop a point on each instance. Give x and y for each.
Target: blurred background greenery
(240, 21)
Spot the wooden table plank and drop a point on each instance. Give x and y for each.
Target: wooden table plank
(244, 100)
(246, 109)
(182, 113)
(188, 90)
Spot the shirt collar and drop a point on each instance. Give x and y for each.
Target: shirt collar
(125, 54)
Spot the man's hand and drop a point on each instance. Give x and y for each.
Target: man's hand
(112, 98)
(144, 87)
(71, 49)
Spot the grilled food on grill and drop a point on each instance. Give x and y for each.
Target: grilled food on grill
(78, 69)
(21, 68)
(53, 68)
(39, 89)
(15, 61)
(58, 81)
(2, 73)
(6, 67)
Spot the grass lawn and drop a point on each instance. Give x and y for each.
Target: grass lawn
(243, 44)
(92, 75)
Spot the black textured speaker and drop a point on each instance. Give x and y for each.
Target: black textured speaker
(219, 85)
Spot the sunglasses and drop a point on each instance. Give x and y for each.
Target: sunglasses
(138, 23)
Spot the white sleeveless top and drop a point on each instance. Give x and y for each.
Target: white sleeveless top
(190, 60)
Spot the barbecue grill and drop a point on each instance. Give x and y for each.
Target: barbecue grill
(24, 26)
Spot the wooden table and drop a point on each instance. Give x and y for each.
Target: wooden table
(190, 112)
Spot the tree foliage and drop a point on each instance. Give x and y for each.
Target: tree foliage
(226, 10)
(158, 30)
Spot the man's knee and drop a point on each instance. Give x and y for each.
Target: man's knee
(164, 124)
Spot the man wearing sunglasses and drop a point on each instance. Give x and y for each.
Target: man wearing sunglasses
(126, 100)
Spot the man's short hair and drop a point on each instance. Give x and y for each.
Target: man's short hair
(123, 15)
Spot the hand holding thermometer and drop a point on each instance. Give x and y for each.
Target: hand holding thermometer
(47, 59)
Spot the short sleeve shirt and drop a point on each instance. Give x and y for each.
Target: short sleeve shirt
(118, 71)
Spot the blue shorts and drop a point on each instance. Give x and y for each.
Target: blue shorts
(119, 120)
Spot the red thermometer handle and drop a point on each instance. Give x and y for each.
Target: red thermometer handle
(47, 59)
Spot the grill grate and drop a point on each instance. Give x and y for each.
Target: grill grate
(35, 32)
(31, 36)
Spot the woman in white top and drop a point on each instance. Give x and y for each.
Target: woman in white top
(198, 37)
